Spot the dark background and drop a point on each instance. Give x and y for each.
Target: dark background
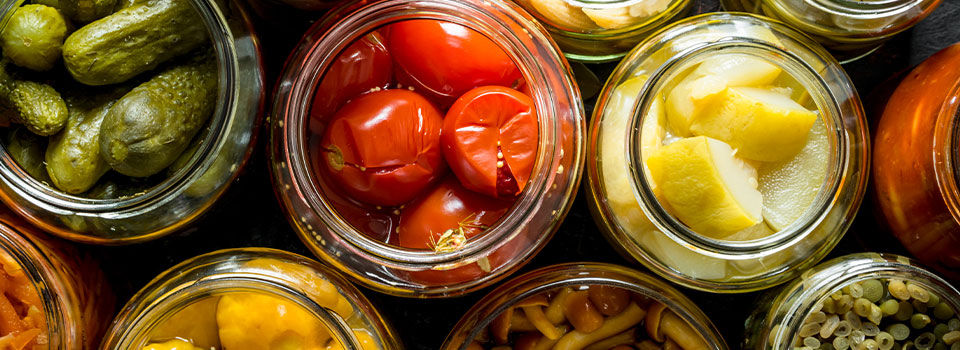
(249, 215)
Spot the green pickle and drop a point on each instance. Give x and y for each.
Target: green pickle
(133, 40)
(152, 125)
(33, 37)
(73, 155)
(38, 106)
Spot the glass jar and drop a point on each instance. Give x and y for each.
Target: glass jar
(186, 193)
(75, 301)
(915, 162)
(576, 275)
(603, 30)
(502, 247)
(186, 302)
(850, 29)
(780, 315)
(632, 215)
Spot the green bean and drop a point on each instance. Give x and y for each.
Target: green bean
(862, 307)
(876, 315)
(811, 342)
(955, 346)
(809, 329)
(816, 317)
(899, 331)
(940, 346)
(919, 306)
(844, 304)
(857, 336)
(939, 330)
(841, 343)
(843, 329)
(918, 321)
(872, 290)
(869, 344)
(905, 311)
(898, 290)
(884, 340)
(829, 306)
(925, 341)
(943, 311)
(829, 326)
(953, 324)
(854, 320)
(909, 345)
(889, 307)
(854, 289)
(934, 300)
(870, 329)
(951, 337)
(825, 346)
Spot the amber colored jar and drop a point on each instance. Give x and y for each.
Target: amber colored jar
(76, 301)
(915, 162)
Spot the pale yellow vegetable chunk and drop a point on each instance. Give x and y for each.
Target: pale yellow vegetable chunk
(761, 124)
(707, 187)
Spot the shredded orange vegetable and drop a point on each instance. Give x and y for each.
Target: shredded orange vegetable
(22, 322)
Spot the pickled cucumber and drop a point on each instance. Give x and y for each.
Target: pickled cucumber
(133, 40)
(26, 148)
(34, 36)
(149, 127)
(38, 106)
(82, 11)
(73, 155)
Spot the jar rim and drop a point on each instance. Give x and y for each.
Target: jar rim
(334, 33)
(827, 106)
(176, 288)
(866, 9)
(227, 105)
(562, 275)
(946, 150)
(819, 282)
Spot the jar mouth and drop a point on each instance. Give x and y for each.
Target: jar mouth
(312, 66)
(817, 284)
(828, 111)
(58, 201)
(584, 274)
(212, 275)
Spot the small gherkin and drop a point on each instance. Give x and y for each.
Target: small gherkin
(38, 106)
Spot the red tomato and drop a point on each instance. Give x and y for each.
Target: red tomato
(361, 67)
(490, 138)
(383, 148)
(443, 59)
(452, 210)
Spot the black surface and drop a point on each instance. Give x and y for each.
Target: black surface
(249, 215)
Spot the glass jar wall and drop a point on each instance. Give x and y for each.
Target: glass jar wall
(850, 29)
(782, 200)
(58, 297)
(137, 190)
(584, 305)
(784, 318)
(603, 30)
(249, 298)
(443, 224)
(915, 162)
